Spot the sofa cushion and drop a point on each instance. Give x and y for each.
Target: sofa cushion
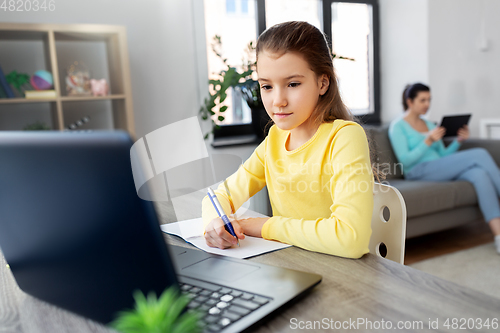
(383, 158)
(446, 219)
(423, 197)
(465, 194)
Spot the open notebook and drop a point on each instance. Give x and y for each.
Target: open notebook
(192, 232)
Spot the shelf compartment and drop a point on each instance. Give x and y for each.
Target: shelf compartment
(25, 55)
(99, 111)
(15, 117)
(99, 52)
(91, 55)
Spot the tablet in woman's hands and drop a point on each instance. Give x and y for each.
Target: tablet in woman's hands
(454, 123)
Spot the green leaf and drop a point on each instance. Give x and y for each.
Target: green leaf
(229, 77)
(158, 315)
(223, 108)
(247, 73)
(187, 323)
(221, 118)
(17, 80)
(223, 96)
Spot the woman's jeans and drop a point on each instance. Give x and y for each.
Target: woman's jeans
(473, 165)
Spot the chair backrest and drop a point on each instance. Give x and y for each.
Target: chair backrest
(388, 223)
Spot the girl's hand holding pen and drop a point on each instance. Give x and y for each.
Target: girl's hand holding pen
(217, 236)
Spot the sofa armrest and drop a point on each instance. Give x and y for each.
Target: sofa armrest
(492, 146)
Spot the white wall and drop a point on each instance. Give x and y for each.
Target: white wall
(163, 46)
(463, 78)
(437, 42)
(404, 53)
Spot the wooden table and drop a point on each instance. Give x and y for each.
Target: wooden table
(353, 293)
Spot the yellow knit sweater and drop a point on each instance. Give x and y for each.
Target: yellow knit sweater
(321, 193)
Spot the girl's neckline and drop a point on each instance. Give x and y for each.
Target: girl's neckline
(305, 144)
(413, 128)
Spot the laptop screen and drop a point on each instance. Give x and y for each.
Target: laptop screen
(72, 227)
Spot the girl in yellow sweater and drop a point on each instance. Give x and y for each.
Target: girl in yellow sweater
(315, 160)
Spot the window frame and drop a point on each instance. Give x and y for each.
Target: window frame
(374, 117)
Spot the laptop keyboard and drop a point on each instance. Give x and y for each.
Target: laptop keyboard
(220, 306)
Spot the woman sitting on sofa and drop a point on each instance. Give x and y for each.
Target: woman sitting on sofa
(418, 146)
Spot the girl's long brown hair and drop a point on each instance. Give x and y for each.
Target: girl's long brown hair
(308, 41)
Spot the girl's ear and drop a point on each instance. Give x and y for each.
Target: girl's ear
(409, 102)
(324, 83)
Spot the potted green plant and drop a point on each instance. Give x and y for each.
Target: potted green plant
(20, 81)
(165, 314)
(229, 77)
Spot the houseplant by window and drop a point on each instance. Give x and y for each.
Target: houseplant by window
(231, 77)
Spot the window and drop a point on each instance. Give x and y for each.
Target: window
(230, 6)
(353, 31)
(234, 6)
(278, 11)
(350, 25)
(352, 36)
(244, 6)
(234, 21)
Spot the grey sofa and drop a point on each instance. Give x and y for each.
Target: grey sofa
(431, 206)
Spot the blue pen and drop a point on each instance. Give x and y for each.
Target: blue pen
(227, 224)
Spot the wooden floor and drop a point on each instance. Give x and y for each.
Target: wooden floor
(444, 242)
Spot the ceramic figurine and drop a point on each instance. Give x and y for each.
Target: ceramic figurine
(77, 80)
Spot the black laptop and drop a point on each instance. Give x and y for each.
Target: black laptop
(76, 234)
